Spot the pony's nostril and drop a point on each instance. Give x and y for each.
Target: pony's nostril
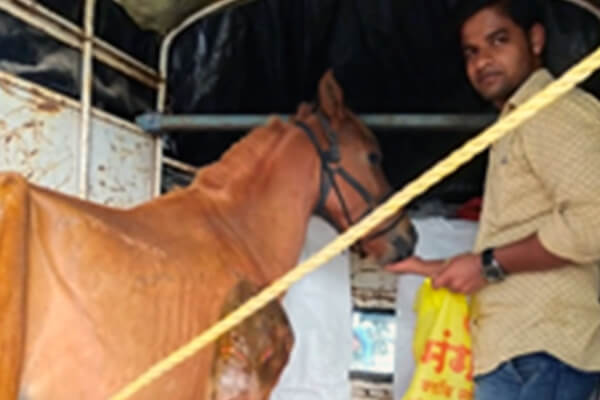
(403, 248)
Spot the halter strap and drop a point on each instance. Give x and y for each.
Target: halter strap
(330, 158)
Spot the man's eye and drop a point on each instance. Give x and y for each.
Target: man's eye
(499, 40)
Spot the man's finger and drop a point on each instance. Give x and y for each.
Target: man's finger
(415, 265)
(443, 280)
(411, 265)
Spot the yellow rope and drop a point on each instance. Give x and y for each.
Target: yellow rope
(575, 75)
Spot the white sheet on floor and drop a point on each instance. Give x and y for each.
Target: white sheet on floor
(319, 308)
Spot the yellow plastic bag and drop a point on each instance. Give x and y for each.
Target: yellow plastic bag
(441, 347)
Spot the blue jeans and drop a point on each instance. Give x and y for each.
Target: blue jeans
(536, 376)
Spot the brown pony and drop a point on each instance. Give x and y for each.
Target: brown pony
(91, 296)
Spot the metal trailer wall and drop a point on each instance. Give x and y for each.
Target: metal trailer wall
(68, 145)
(39, 133)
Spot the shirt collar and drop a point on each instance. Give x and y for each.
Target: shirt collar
(535, 83)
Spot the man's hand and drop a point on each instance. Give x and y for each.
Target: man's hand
(460, 274)
(463, 274)
(416, 265)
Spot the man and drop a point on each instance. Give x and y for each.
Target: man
(534, 272)
(319, 308)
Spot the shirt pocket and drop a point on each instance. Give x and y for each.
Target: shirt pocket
(518, 194)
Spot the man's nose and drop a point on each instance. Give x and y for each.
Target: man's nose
(483, 59)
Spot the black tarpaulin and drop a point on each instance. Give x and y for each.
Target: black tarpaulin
(388, 55)
(32, 54)
(266, 56)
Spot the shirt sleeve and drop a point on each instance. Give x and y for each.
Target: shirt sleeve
(563, 149)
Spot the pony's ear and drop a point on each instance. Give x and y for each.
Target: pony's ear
(303, 111)
(331, 96)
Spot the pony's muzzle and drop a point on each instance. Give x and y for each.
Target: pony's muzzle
(405, 247)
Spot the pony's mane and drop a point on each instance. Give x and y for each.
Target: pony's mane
(243, 157)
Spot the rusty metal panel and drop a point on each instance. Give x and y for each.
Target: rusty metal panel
(39, 138)
(121, 171)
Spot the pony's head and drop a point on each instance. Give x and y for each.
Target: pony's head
(352, 179)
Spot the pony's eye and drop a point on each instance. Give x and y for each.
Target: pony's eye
(374, 158)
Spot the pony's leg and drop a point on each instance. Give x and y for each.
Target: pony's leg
(13, 260)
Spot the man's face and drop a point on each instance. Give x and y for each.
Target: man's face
(499, 56)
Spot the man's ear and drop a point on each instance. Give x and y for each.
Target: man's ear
(537, 38)
(331, 96)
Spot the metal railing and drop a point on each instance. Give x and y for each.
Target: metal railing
(92, 47)
(38, 16)
(156, 122)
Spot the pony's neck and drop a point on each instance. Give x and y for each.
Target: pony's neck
(267, 186)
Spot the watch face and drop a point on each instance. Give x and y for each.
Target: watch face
(491, 269)
(494, 275)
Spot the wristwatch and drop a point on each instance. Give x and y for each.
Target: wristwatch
(491, 270)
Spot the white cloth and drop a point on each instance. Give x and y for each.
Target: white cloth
(438, 238)
(319, 308)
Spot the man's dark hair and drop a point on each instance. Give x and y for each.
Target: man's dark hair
(525, 13)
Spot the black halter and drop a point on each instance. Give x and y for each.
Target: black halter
(330, 158)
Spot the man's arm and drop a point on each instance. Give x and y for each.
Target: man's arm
(463, 273)
(528, 255)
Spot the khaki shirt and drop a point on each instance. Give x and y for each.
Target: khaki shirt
(544, 177)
